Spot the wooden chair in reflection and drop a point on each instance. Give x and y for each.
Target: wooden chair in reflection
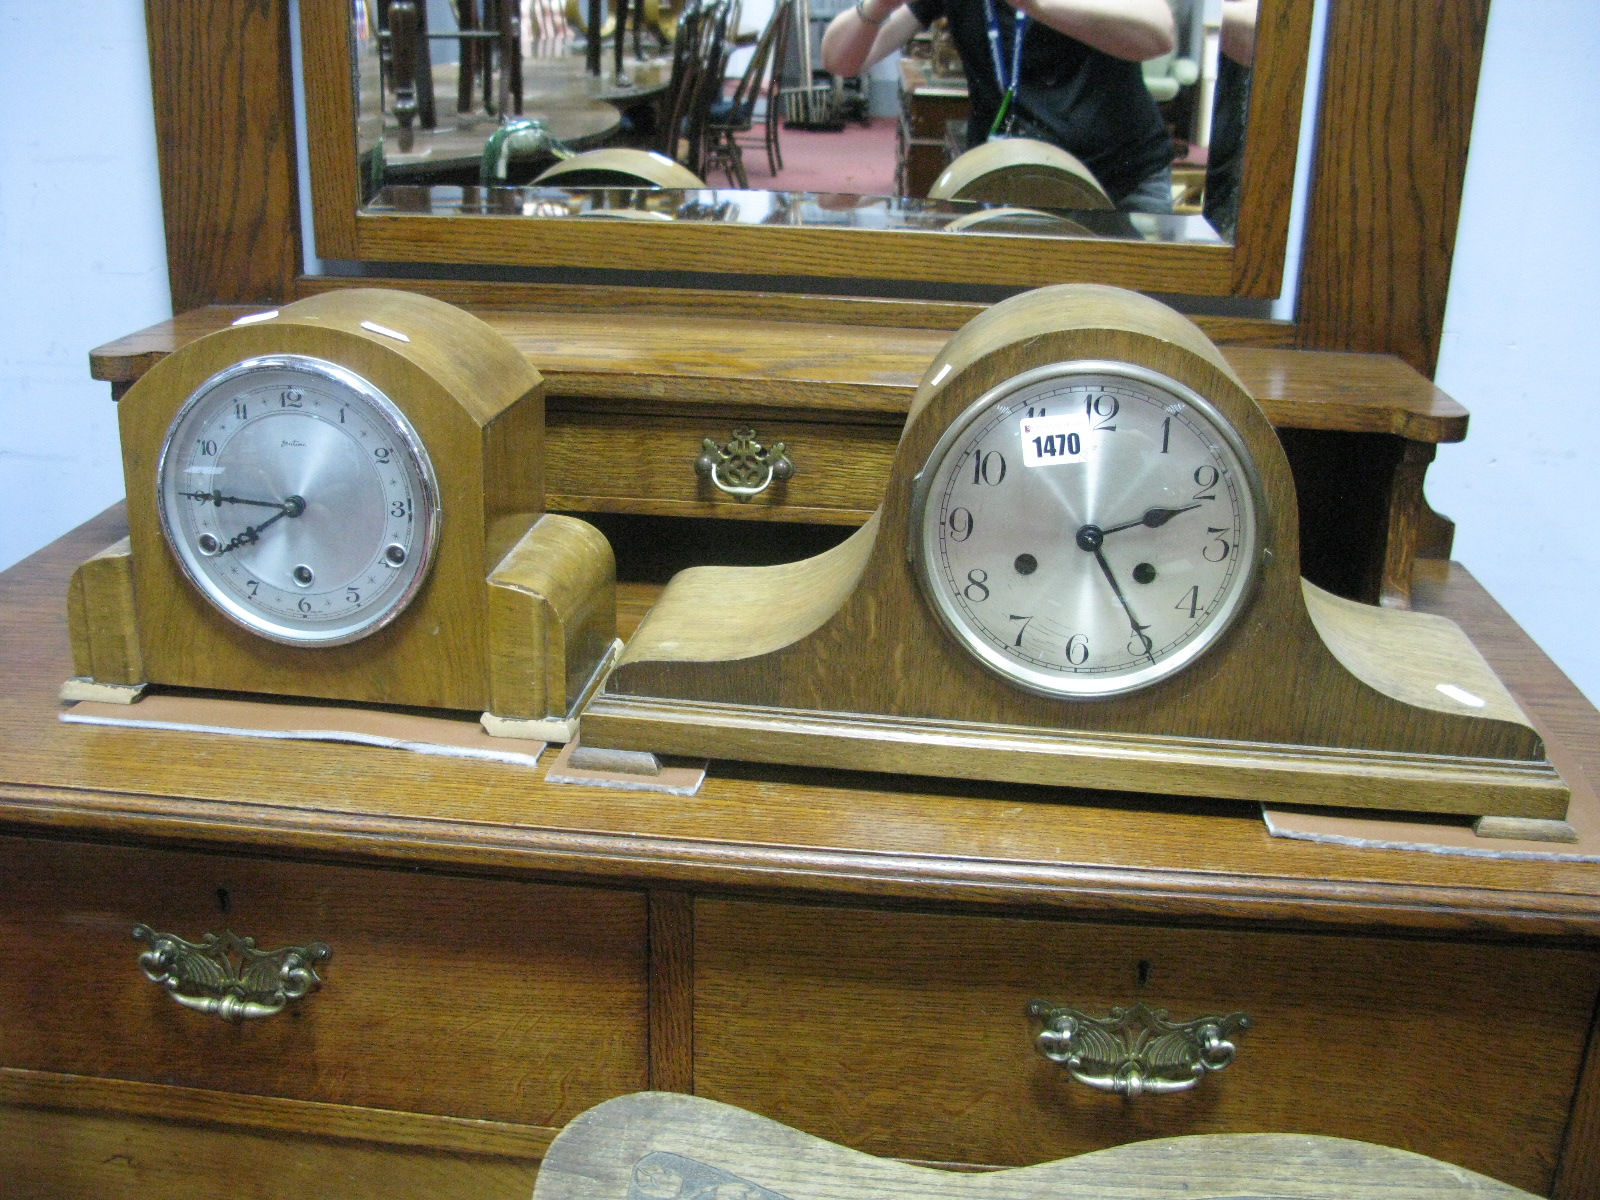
(489, 36)
(665, 1146)
(699, 57)
(729, 117)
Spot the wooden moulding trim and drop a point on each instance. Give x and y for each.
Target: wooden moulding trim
(460, 1135)
(848, 876)
(809, 307)
(1138, 763)
(729, 388)
(669, 301)
(1203, 270)
(722, 510)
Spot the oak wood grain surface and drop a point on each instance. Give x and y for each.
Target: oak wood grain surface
(765, 829)
(224, 117)
(868, 1002)
(1392, 136)
(48, 1155)
(832, 371)
(270, 1114)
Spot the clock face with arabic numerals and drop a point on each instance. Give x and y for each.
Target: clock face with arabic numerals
(299, 500)
(1088, 528)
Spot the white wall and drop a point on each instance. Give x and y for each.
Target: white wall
(1521, 332)
(81, 255)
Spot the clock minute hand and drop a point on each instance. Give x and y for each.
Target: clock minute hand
(218, 499)
(1089, 538)
(1154, 518)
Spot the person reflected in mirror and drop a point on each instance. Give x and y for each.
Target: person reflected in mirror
(1062, 71)
(1225, 159)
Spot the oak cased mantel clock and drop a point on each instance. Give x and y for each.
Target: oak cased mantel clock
(343, 499)
(1085, 573)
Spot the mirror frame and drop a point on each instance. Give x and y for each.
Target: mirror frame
(1252, 266)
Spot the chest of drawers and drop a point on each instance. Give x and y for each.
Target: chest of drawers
(852, 954)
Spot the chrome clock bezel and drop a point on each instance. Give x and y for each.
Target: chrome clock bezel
(426, 514)
(1061, 685)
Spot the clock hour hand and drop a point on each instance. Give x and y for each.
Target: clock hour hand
(1090, 538)
(292, 507)
(218, 499)
(1154, 518)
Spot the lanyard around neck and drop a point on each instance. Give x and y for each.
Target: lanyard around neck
(1007, 80)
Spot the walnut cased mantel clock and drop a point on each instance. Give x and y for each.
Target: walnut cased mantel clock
(1085, 572)
(342, 499)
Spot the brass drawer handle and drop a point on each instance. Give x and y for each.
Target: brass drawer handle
(1136, 1049)
(225, 974)
(737, 467)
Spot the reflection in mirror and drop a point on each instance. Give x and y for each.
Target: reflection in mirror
(719, 86)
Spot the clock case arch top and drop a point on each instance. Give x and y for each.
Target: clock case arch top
(518, 609)
(839, 660)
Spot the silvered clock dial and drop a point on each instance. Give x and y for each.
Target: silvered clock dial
(1088, 528)
(298, 499)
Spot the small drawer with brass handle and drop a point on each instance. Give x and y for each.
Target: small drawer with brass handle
(908, 1034)
(1136, 1050)
(225, 975)
(721, 464)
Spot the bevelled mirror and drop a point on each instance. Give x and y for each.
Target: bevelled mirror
(762, 232)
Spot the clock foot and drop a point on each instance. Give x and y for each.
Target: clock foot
(1526, 829)
(628, 770)
(623, 762)
(554, 729)
(82, 688)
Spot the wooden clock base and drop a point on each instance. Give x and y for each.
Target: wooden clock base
(549, 603)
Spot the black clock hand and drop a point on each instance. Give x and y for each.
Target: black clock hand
(1153, 518)
(218, 499)
(1089, 538)
(292, 507)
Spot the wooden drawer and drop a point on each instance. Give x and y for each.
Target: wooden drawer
(907, 1034)
(478, 998)
(606, 462)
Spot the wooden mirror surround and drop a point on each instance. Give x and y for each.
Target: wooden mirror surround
(1251, 267)
(1394, 116)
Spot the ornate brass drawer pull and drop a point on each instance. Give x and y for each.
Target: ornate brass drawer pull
(1136, 1049)
(225, 974)
(743, 468)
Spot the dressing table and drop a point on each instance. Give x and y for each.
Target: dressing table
(851, 954)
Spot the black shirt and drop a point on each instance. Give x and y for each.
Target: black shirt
(1087, 102)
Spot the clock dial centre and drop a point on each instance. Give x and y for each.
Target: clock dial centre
(1085, 479)
(299, 500)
